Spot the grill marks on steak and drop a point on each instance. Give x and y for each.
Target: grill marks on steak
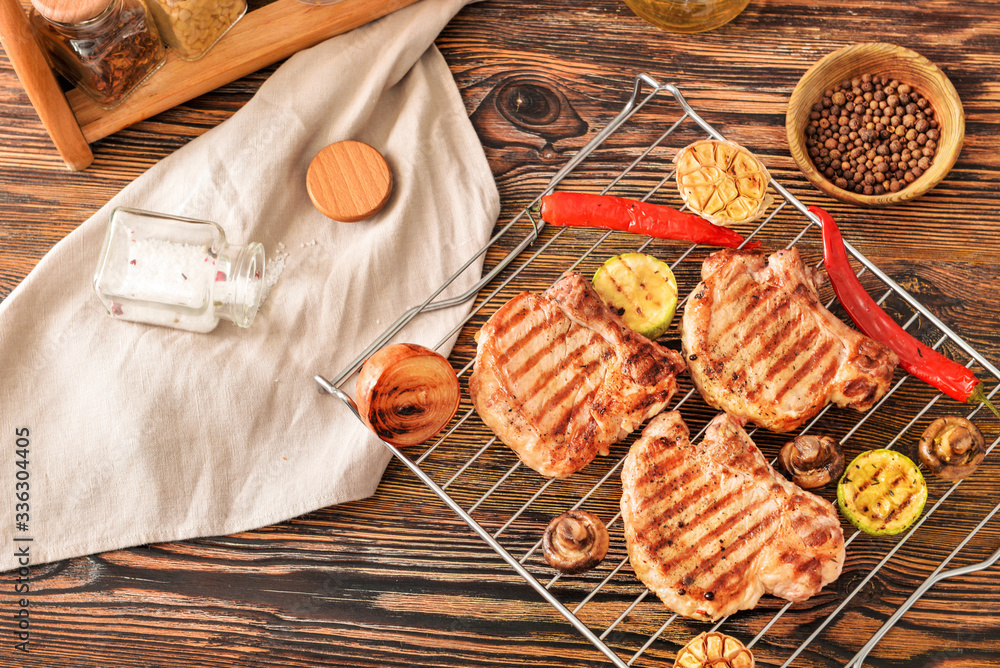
(558, 377)
(541, 370)
(711, 527)
(762, 346)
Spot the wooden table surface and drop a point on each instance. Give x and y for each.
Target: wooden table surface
(398, 579)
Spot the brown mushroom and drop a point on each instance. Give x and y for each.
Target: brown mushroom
(575, 542)
(812, 461)
(952, 447)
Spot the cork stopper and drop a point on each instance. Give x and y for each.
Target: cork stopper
(70, 11)
(349, 181)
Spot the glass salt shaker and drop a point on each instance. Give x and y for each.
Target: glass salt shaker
(106, 48)
(192, 27)
(177, 272)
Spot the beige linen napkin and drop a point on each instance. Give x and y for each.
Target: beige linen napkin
(140, 434)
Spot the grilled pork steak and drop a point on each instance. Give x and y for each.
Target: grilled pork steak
(761, 345)
(711, 527)
(558, 377)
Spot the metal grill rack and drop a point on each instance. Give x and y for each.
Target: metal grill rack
(510, 515)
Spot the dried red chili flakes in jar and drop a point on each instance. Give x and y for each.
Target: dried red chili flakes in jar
(106, 48)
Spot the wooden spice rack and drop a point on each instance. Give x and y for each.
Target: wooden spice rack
(262, 37)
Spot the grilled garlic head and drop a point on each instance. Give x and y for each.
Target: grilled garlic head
(714, 650)
(722, 182)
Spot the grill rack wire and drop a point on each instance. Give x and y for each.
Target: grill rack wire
(645, 91)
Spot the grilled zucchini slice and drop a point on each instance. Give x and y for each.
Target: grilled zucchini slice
(882, 492)
(642, 289)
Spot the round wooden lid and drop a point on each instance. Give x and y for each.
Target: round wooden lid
(70, 11)
(349, 181)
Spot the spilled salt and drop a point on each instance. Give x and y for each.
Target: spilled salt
(272, 272)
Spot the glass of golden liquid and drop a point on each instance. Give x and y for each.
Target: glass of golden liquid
(687, 15)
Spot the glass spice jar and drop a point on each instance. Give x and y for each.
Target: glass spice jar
(106, 48)
(192, 27)
(177, 272)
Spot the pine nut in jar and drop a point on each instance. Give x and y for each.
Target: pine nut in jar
(191, 27)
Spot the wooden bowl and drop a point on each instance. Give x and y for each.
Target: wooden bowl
(895, 62)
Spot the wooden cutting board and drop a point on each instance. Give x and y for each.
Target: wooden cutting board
(262, 37)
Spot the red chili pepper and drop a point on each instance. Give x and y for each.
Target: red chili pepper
(919, 360)
(628, 215)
